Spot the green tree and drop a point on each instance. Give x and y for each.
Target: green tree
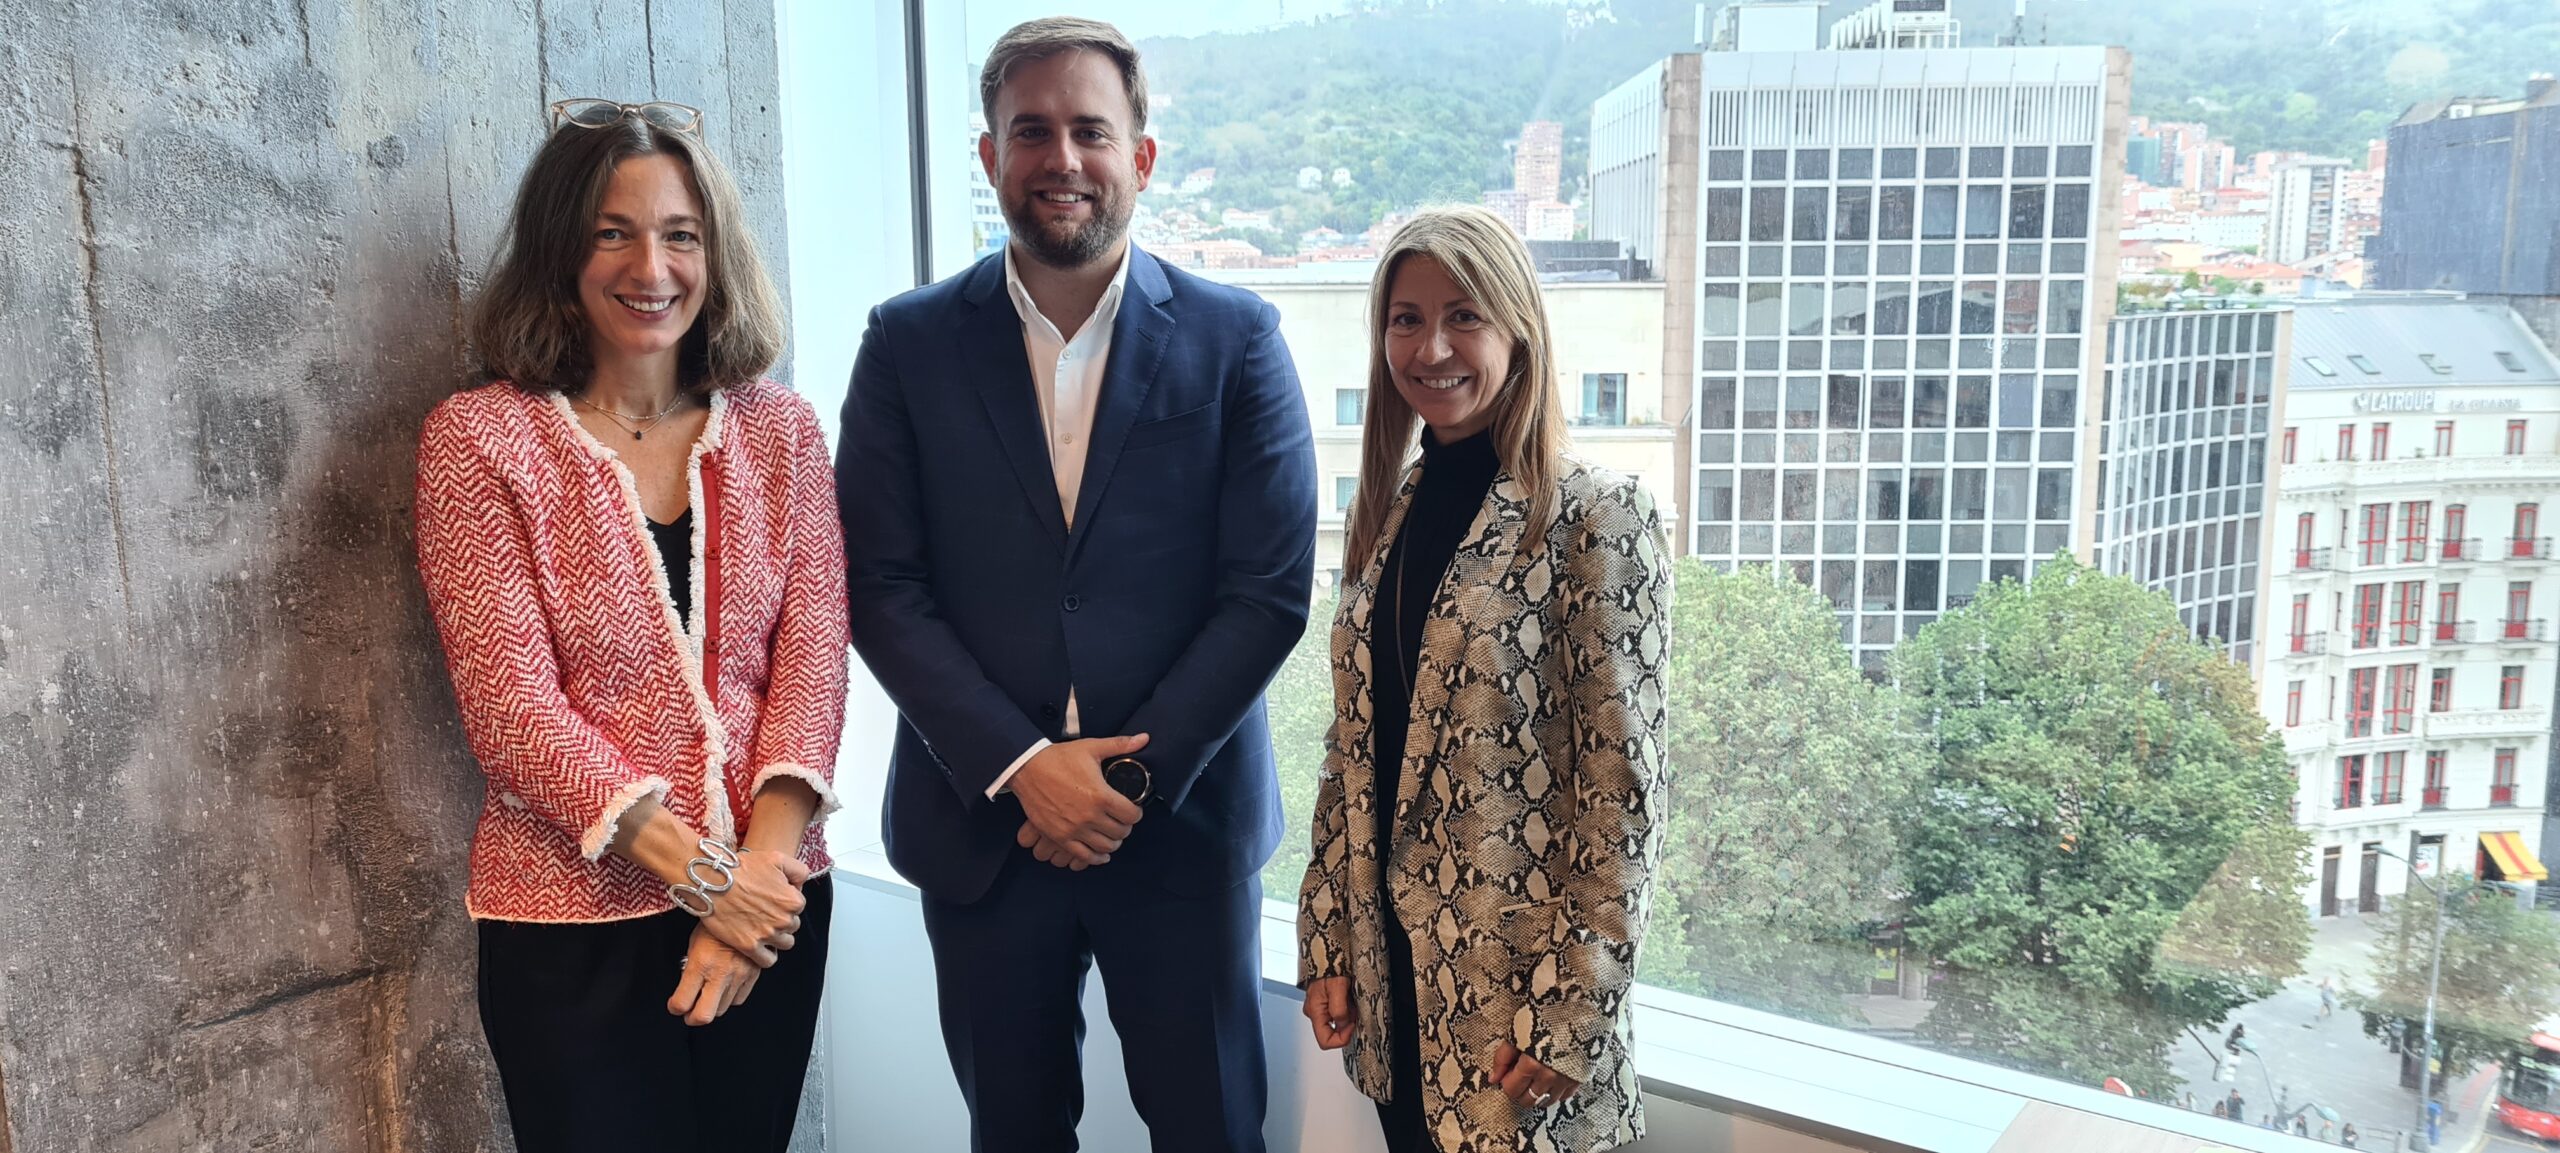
(1300, 704)
(1789, 772)
(2499, 981)
(2106, 821)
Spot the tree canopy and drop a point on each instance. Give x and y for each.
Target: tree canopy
(2500, 978)
(2104, 797)
(1790, 773)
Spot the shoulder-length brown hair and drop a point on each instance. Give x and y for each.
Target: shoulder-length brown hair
(1492, 266)
(528, 325)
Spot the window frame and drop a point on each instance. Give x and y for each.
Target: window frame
(2351, 777)
(2363, 687)
(2400, 699)
(2440, 689)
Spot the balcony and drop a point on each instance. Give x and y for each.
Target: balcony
(2431, 798)
(2456, 632)
(2469, 551)
(2308, 645)
(2529, 548)
(2488, 723)
(2523, 632)
(2502, 796)
(2429, 471)
(2314, 559)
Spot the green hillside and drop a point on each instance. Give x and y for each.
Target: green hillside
(1417, 97)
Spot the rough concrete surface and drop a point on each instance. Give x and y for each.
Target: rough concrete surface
(234, 797)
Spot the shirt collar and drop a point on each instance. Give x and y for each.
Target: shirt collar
(1104, 310)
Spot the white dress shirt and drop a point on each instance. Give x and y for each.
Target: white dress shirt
(1066, 373)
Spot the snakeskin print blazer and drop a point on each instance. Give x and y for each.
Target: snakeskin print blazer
(1525, 843)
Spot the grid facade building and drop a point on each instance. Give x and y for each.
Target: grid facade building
(1900, 317)
(2185, 463)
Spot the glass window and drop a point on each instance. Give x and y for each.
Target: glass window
(1350, 406)
(1344, 488)
(1850, 210)
(2070, 211)
(1724, 164)
(1604, 399)
(1769, 164)
(1812, 213)
(1724, 215)
(1768, 214)
(1937, 212)
(1936, 314)
(1895, 213)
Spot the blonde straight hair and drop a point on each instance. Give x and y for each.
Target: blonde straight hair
(1492, 266)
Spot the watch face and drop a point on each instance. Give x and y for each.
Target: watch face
(1127, 778)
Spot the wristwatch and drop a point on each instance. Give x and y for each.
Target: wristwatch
(1128, 776)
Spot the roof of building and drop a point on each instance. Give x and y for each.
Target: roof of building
(2414, 341)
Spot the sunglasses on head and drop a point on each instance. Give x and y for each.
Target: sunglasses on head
(589, 112)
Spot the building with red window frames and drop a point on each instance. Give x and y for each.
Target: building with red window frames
(2426, 564)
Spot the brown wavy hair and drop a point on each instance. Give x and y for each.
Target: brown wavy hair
(1492, 266)
(528, 326)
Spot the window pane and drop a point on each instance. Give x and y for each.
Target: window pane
(1768, 214)
(1812, 213)
(1851, 208)
(1938, 212)
(1894, 212)
(2071, 211)
(1724, 215)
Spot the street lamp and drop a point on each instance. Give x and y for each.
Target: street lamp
(2435, 973)
(2285, 1120)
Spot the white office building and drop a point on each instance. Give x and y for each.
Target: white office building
(2411, 672)
(1899, 320)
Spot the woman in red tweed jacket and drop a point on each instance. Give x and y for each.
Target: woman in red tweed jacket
(630, 546)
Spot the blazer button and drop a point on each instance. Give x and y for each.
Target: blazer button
(1072, 604)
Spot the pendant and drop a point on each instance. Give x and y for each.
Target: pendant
(635, 436)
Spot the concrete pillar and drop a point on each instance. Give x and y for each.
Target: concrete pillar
(234, 798)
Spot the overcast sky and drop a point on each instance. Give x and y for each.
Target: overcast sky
(987, 19)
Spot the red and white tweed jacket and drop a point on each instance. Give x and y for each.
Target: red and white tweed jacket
(580, 689)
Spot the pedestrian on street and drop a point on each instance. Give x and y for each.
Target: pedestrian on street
(2328, 997)
(2235, 1108)
(2348, 1136)
(2324, 1131)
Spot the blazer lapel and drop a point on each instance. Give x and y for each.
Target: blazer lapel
(1483, 555)
(1138, 342)
(991, 357)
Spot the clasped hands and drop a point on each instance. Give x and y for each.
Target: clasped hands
(749, 927)
(1073, 818)
(1527, 1082)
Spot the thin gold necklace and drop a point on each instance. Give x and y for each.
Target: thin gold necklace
(628, 423)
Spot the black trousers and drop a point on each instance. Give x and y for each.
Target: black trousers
(1400, 1116)
(592, 1062)
(1181, 979)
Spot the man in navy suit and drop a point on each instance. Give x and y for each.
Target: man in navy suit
(1079, 507)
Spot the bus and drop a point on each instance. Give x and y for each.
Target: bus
(2529, 1093)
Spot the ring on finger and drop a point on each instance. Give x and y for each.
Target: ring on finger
(1542, 1098)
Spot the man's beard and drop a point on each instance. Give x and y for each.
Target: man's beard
(1064, 245)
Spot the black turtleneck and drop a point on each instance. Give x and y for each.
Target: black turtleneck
(1455, 478)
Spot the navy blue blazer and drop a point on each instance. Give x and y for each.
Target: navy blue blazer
(1182, 587)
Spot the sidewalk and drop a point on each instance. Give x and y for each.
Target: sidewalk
(2473, 1111)
(2343, 947)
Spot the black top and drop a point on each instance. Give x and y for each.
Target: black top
(1454, 481)
(675, 550)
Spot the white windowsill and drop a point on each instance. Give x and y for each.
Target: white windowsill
(1724, 1056)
